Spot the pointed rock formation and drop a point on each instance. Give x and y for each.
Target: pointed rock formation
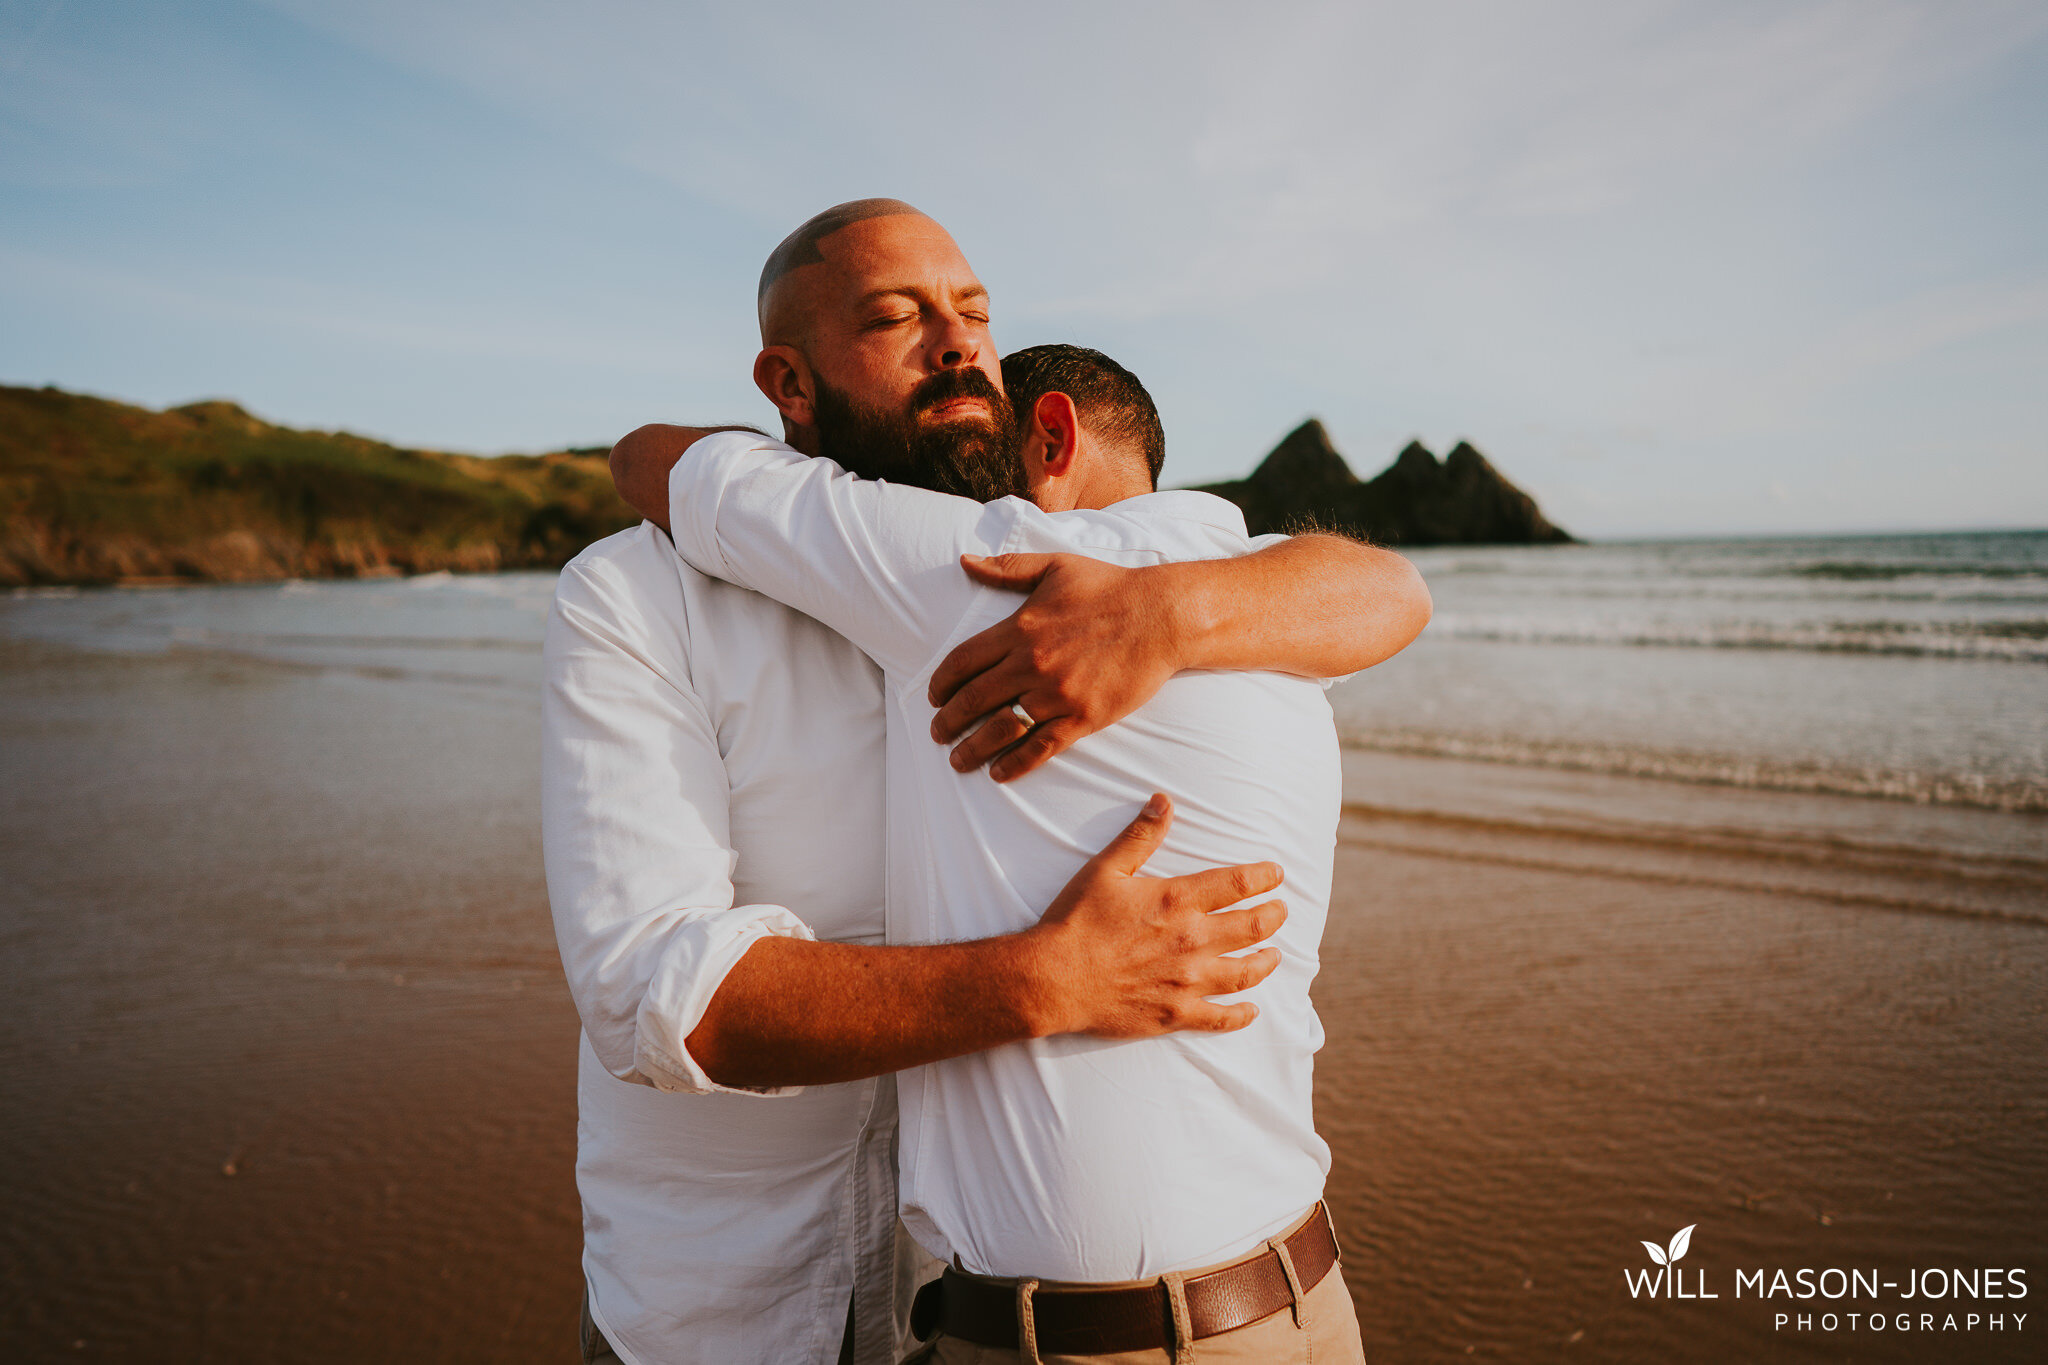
(1306, 460)
(1417, 500)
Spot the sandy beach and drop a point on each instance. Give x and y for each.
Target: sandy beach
(291, 1062)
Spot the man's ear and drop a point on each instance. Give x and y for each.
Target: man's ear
(1053, 417)
(784, 378)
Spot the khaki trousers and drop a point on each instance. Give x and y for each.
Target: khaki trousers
(1326, 1335)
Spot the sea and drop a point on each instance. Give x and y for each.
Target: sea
(1907, 668)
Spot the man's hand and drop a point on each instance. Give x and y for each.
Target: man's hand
(1091, 644)
(1117, 955)
(1093, 641)
(1125, 956)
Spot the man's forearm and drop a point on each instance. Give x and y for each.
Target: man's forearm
(641, 461)
(796, 1012)
(1319, 606)
(1116, 955)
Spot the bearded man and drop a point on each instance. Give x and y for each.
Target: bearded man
(713, 822)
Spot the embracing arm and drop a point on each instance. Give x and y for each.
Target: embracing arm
(877, 562)
(1117, 955)
(1094, 641)
(641, 461)
(681, 989)
(1316, 605)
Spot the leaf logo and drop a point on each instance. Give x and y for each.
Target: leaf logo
(1680, 1240)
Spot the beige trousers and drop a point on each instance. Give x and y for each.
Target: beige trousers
(1326, 1335)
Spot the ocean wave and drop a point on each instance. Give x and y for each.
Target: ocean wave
(242, 641)
(1721, 574)
(2029, 795)
(1857, 572)
(1938, 564)
(2016, 640)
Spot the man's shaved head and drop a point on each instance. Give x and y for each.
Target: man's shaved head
(800, 248)
(875, 347)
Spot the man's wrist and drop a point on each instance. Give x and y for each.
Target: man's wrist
(1037, 982)
(1191, 616)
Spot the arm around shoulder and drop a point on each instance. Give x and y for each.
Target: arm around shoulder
(1318, 605)
(641, 461)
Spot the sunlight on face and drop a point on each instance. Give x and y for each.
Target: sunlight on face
(893, 303)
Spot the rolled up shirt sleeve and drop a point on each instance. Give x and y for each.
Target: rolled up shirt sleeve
(635, 828)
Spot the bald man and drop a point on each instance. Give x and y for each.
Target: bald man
(713, 798)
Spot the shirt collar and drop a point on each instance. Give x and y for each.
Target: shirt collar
(1184, 504)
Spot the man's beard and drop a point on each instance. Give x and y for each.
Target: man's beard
(971, 458)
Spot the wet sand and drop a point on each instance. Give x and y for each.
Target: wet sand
(290, 1063)
(1538, 1061)
(289, 1060)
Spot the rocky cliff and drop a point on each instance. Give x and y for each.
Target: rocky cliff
(1418, 500)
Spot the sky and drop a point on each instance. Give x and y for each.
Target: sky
(1676, 268)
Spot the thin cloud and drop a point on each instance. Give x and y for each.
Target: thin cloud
(1720, 241)
(1213, 157)
(291, 306)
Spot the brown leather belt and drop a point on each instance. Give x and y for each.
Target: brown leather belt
(1083, 1322)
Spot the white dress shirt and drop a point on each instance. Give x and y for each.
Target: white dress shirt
(1068, 1158)
(712, 771)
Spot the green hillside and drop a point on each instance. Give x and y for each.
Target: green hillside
(93, 491)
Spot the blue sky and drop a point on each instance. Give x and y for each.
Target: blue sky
(1677, 267)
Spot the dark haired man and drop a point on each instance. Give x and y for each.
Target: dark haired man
(688, 720)
(1118, 410)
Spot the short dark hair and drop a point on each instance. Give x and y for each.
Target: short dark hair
(1107, 396)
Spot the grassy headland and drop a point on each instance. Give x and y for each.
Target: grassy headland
(94, 491)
